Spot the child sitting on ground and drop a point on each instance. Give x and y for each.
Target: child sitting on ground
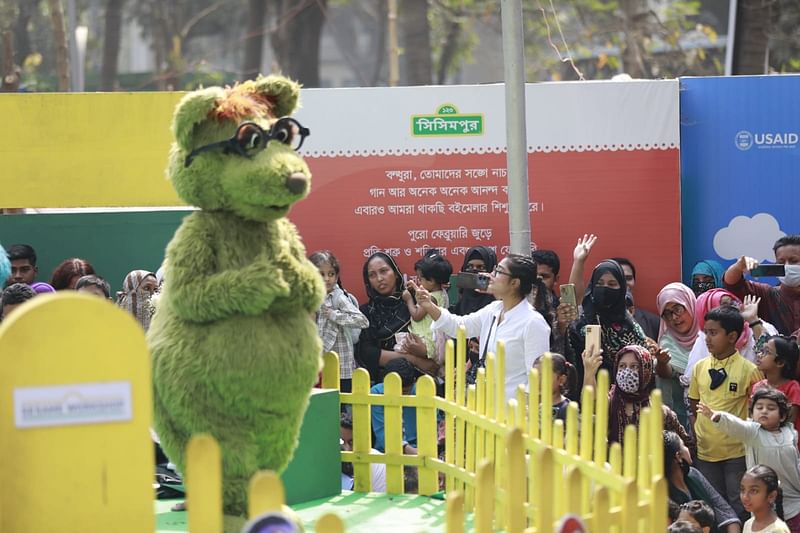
(770, 440)
(433, 271)
(722, 381)
(699, 513)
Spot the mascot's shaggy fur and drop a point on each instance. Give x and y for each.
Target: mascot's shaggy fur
(234, 345)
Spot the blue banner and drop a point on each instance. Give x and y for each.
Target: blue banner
(740, 166)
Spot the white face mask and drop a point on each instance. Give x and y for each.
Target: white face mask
(792, 277)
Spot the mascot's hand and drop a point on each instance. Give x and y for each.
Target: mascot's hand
(307, 288)
(267, 283)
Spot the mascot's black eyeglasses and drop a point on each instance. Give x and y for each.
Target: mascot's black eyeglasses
(250, 138)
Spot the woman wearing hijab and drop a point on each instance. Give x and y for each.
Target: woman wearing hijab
(632, 383)
(137, 290)
(707, 275)
(604, 304)
(477, 260)
(677, 334)
(388, 315)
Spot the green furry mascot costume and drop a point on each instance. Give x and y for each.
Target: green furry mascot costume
(235, 349)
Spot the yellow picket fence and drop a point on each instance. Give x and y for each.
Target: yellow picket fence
(510, 463)
(204, 491)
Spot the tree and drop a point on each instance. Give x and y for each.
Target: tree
(417, 42)
(254, 38)
(751, 37)
(296, 38)
(60, 37)
(111, 41)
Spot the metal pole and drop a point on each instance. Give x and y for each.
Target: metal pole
(519, 221)
(72, 44)
(731, 40)
(394, 51)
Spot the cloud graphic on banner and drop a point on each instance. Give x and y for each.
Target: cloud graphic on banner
(752, 237)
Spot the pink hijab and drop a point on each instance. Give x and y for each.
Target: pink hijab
(712, 299)
(678, 293)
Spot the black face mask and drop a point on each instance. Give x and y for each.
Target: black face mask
(685, 468)
(605, 297)
(699, 287)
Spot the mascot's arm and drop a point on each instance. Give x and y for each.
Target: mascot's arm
(201, 293)
(308, 290)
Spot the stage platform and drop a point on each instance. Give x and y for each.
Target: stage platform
(362, 513)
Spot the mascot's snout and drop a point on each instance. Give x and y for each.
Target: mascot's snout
(297, 183)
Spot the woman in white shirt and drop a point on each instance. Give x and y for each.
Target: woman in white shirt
(510, 318)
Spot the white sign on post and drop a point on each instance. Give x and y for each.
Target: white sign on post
(65, 405)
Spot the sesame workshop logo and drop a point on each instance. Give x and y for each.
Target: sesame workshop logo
(745, 140)
(446, 122)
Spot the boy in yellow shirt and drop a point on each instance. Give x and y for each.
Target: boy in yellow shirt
(722, 381)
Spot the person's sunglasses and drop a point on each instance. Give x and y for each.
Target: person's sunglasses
(250, 138)
(675, 312)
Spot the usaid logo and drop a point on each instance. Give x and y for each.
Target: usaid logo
(745, 140)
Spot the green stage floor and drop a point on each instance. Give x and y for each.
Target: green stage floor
(362, 513)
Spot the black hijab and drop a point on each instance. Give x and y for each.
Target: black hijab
(469, 300)
(387, 314)
(604, 304)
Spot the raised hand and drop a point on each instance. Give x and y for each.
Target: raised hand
(750, 308)
(584, 247)
(746, 264)
(705, 410)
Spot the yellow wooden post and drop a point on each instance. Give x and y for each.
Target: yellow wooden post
(427, 436)
(572, 430)
(515, 487)
(573, 489)
(330, 371)
(656, 436)
(601, 419)
(480, 433)
(545, 501)
(558, 434)
(630, 453)
(454, 521)
(547, 398)
(615, 460)
(471, 430)
(484, 497)
(393, 432)
(362, 430)
(521, 413)
(630, 509)
(500, 390)
(449, 420)
(586, 437)
(491, 408)
(600, 519)
(461, 356)
(643, 477)
(204, 485)
(265, 494)
(329, 523)
(75, 414)
(534, 402)
(658, 506)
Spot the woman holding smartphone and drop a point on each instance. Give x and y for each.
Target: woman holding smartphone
(510, 318)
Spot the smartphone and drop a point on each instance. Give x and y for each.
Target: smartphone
(768, 270)
(468, 280)
(568, 294)
(593, 337)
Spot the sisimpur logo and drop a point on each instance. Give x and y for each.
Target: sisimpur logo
(745, 140)
(446, 122)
